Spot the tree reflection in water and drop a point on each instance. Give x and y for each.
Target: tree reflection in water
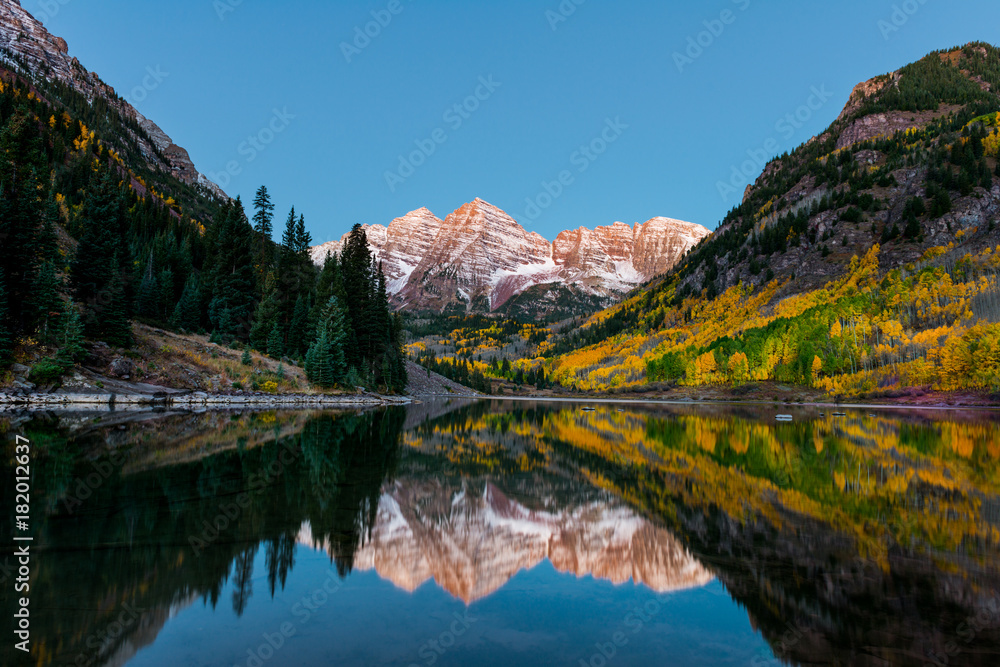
(862, 540)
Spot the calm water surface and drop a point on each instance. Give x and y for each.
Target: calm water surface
(503, 533)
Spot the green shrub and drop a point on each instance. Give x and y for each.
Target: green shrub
(853, 214)
(47, 371)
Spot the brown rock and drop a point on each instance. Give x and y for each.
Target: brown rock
(121, 367)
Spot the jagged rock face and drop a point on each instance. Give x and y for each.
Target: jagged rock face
(661, 243)
(621, 257)
(407, 241)
(398, 247)
(604, 254)
(472, 540)
(479, 257)
(480, 251)
(865, 90)
(887, 124)
(24, 36)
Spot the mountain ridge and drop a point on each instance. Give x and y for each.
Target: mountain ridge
(918, 96)
(863, 263)
(24, 36)
(480, 258)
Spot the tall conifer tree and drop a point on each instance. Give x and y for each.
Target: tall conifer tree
(264, 228)
(98, 268)
(6, 335)
(231, 309)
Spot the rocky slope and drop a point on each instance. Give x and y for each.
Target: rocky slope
(424, 384)
(479, 258)
(25, 43)
(472, 540)
(851, 186)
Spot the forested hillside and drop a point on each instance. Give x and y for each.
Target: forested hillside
(94, 238)
(863, 263)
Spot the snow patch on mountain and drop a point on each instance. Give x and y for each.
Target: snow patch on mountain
(480, 252)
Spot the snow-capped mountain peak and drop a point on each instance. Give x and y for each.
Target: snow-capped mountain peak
(479, 257)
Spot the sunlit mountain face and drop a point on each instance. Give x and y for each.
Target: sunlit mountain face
(862, 539)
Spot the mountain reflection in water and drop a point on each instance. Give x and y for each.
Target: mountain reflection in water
(867, 540)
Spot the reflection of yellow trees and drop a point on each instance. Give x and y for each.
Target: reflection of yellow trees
(874, 479)
(615, 436)
(967, 439)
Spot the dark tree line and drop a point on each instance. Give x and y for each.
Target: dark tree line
(88, 249)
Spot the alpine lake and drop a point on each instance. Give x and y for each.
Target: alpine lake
(505, 533)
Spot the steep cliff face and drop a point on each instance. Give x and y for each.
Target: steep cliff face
(480, 252)
(661, 243)
(479, 258)
(472, 540)
(24, 38)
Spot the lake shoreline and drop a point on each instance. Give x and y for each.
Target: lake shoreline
(605, 400)
(773, 393)
(133, 395)
(170, 398)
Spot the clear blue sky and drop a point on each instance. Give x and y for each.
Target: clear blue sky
(227, 65)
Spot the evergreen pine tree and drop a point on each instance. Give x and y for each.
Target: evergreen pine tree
(267, 319)
(48, 302)
(297, 280)
(328, 284)
(101, 255)
(246, 359)
(114, 327)
(148, 300)
(71, 348)
(48, 241)
(297, 328)
(912, 230)
(965, 183)
(303, 239)
(263, 226)
(165, 297)
(325, 361)
(942, 204)
(356, 266)
(288, 237)
(23, 188)
(6, 334)
(319, 361)
(310, 362)
(275, 344)
(187, 313)
(985, 176)
(232, 306)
